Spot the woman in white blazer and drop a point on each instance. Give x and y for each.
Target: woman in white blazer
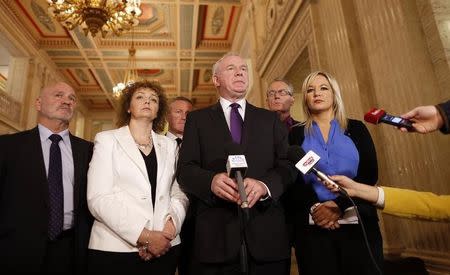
(132, 191)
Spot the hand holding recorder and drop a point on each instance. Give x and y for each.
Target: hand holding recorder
(422, 119)
(425, 119)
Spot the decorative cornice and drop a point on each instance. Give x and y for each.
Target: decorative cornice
(57, 43)
(9, 19)
(89, 91)
(296, 39)
(209, 44)
(137, 44)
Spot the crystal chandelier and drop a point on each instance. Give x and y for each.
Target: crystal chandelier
(131, 75)
(93, 16)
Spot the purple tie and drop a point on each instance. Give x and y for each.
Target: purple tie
(236, 123)
(55, 189)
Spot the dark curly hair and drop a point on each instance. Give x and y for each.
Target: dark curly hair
(123, 117)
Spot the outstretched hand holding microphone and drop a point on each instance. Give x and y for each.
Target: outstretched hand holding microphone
(353, 188)
(422, 119)
(427, 119)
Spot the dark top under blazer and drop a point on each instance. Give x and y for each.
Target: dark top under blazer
(204, 154)
(24, 200)
(301, 196)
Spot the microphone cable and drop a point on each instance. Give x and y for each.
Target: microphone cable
(366, 240)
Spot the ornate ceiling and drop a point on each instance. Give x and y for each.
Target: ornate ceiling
(177, 42)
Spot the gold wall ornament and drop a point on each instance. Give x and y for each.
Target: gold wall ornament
(105, 16)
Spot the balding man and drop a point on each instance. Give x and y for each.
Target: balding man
(211, 134)
(44, 220)
(280, 99)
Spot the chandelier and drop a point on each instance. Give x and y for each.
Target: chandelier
(93, 16)
(131, 75)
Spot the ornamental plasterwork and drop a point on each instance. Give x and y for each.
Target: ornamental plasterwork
(271, 42)
(218, 20)
(295, 40)
(42, 16)
(271, 15)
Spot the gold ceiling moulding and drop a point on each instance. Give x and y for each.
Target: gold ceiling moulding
(214, 44)
(147, 43)
(104, 16)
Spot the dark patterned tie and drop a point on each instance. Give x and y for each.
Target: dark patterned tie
(179, 141)
(55, 189)
(236, 123)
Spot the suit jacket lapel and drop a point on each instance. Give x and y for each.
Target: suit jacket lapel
(218, 118)
(77, 158)
(161, 154)
(248, 125)
(126, 141)
(37, 160)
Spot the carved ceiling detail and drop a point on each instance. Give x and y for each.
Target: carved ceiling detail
(168, 37)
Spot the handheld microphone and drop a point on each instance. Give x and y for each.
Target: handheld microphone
(305, 162)
(376, 116)
(236, 168)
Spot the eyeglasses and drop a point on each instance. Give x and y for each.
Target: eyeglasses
(283, 92)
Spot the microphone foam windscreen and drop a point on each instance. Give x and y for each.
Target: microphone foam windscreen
(232, 148)
(373, 116)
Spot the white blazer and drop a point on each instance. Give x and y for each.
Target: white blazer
(119, 191)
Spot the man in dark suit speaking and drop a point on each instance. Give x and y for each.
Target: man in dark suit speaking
(44, 219)
(201, 173)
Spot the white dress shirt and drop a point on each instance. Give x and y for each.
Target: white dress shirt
(227, 109)
(170, 135)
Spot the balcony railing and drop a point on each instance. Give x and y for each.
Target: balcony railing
(9, 107)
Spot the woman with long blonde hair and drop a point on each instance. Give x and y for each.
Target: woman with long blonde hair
(327, 237)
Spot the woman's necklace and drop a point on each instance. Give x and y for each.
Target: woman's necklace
(144, 146)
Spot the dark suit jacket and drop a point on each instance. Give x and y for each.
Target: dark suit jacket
(24, 201)
(204, 154)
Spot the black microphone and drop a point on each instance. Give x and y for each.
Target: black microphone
(305, 162)
(236, 168)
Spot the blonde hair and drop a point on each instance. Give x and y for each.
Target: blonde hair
(338, 104)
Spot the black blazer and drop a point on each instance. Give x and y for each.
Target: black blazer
(204, 154)
(301, 197)
(24, 201)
